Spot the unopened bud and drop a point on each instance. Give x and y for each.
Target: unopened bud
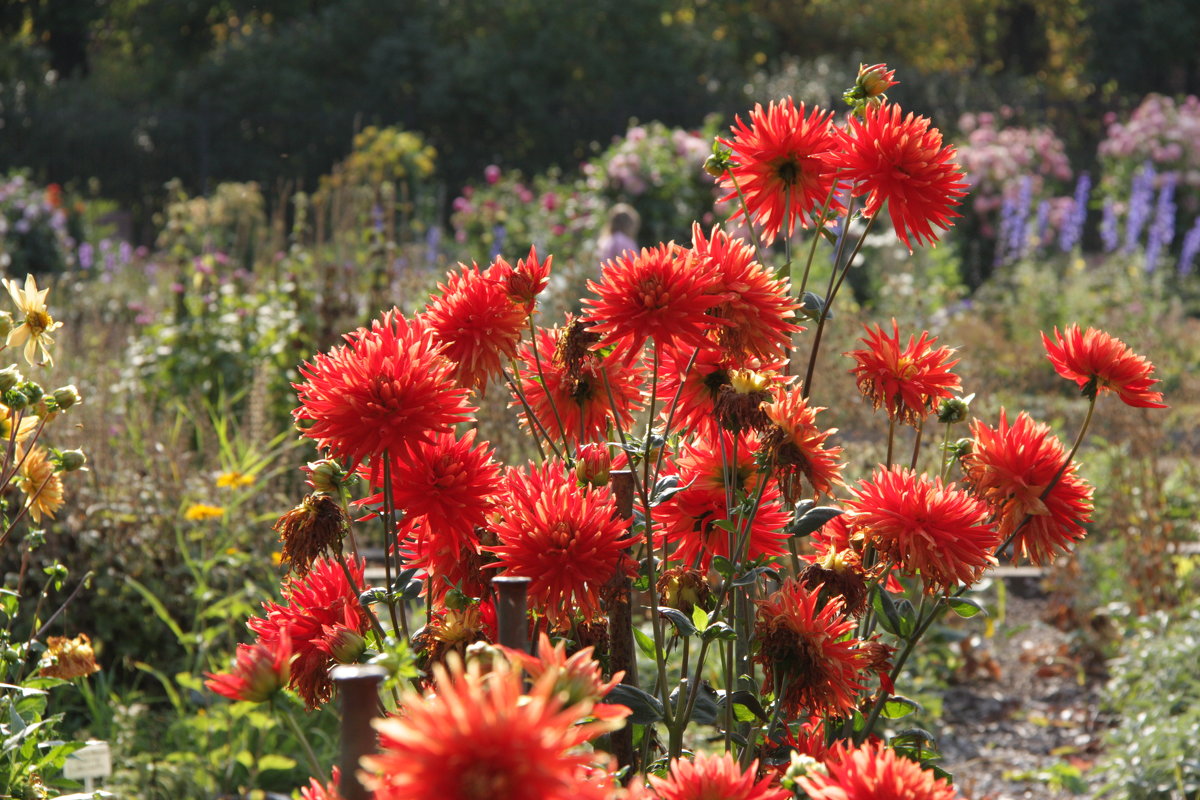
(9, 377)
(953, 409)
(962, 447)
(326, 475)
(6, 324)
(70, 460)
(346, 646)
(16, 400)
(593, 464)
(66, 396)
(33, 391)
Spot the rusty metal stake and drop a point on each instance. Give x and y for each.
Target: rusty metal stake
(358, 686)
(511, 617)
(620, 623)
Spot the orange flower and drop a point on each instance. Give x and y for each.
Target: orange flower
(708, 777)
(323, 791)
(387, 389)
(566, 538)
(662, 293)
(478, 320)
(757, 314)
(480, 737)
(317, 609)
(576, 390)
(925, 527)
(579, 678)
(40, 483)
(261, 670)
(68, 658)
(799, 445)
(874, 772)
(1010, 467)
(908, 380)
(901, 162)
(1100, 363)
(802, 647)
(781, 167)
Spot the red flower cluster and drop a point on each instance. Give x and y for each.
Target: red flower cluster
(798, 445)
(781, 166)
(925, 527)
(566, 538)
(714, 776)
(261, 670)
(874, 772)
(1100, 363)
(907, 380)
(322, 617)
(1011, 467)
(388, 389)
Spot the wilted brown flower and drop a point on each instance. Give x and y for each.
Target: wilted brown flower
(68, 658)
(311, 529)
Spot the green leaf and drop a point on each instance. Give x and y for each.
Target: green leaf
(159, 610)
(965, 607)
(705, 710)
(809, 520)
(644, 643)
(275, 761)
(746, 706)
(683, 625)
(897, 707)
(647, 709)
(719, 630)
(699, 618)
(886, 611)
(723, 566)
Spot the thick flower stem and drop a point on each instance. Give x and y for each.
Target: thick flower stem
(313, 763)
(537, 359)
(923, 624)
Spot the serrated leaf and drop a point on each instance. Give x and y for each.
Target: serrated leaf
(965, 607)
(644, 643)
(898, 707)
(647, 709)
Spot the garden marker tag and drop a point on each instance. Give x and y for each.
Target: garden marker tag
(93, 760)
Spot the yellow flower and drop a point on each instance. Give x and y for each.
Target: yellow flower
(26, 426)
(234, 480)
(42, 486)
(200, 511)
(35, 330)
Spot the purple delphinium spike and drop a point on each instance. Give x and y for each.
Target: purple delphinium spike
(1042, 226)
(433, 240)
(1162, 230)
(1191, 247)
(498, 233)
(85, 255)
(1141, 200)
(1110, 237)
(1072, 229)
(1016, 221)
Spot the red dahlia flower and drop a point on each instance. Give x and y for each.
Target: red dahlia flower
(707, 777)
(662, 293)
(901, 162)
(711, 372)
(480, 737)
(798, 444)
(387, 389)
(804, 654)
(781, 167)
(448, 483)
(479, 322)
(323, 791)
(874, 772)
(1100, 363)
(316, 610)
(576, 391)
(907, 380)
(923, 526)
(1010, 467)
(448, 562)
(568, 539)
(261, 670)
(757, 316)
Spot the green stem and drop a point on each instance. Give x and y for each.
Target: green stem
(313, 764)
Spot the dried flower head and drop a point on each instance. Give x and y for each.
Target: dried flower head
(311, 529)
(68, 658)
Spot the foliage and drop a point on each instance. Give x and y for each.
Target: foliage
(1153, 688)
(34, 228)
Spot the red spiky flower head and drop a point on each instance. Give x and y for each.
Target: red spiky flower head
(901, 161)
(708, 777)
(568, 539)
(481, 737)
(317, 611)
(780, 165)
(662, 293)
(757, 313)
(907, 380)
(323, 791)
(798, 444)
(1010, 467)
(478, 320)
(873, 771)
(925, 527)
(804, 652)
(387, 389)
(1100, 363)
(261, 670)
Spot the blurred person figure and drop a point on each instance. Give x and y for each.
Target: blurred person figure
(620, 233)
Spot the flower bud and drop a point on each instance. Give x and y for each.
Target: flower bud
(326, 475)
(33, 391)
(66, 396)
(70, 460)
(953, 409)
(9, 377)
(345, 645)
(593, 464)
(16, 400)
(6, 324)
(875, 79)
(961, 448)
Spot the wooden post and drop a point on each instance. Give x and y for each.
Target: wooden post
(358, 686)
(511, 617)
